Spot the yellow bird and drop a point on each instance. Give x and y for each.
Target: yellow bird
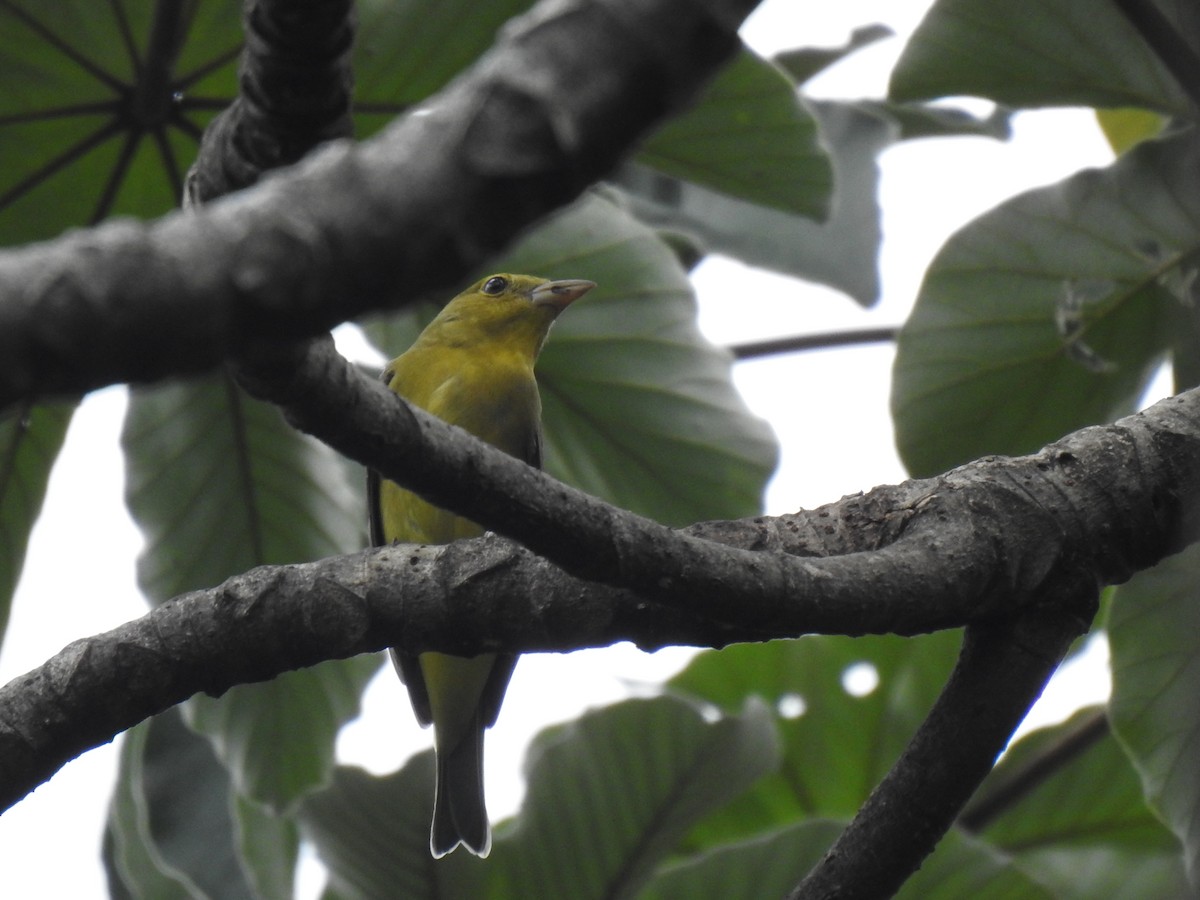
(473, 367)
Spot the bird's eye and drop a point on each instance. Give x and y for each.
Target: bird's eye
(495, 285)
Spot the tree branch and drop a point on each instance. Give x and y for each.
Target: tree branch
(849, 338)
(296, 87)
(989, 545)
(1109, 517)
(559, 101)
(1000, 673)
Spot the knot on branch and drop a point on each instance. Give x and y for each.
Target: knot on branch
(297, 88)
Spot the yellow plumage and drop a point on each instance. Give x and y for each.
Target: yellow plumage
(473, 367)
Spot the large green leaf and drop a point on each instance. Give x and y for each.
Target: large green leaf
(750, 137)
(841, 734)
(962, 867)
(771, 865)
(75, 143)
(30, 438)
(766, 866)
(611, 794)
(1035, 53)
(747, 135)
(1154, 632)
(170, 788)
(638, 408)
(219, 484)
(1078, 821)
(1051, 311)
(407, 50)
(840, 251)
(132, 862)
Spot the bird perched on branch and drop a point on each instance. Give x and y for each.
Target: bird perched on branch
(473, 367)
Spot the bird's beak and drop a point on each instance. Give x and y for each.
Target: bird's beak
(560, 294)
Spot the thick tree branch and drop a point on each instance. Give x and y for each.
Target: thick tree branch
(1028, 532)
(1110, 517)
(562, 98)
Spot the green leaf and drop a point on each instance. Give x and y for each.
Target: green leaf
(766, 866)
(1051, 311)
(963, 867)
(837, 744)
(372, 833)
(611, 794)
(840, 252)
(30, 438)
(405, 51)
(70, 151)
(1076, 819)
(771, 865)
(638, 408)
(277, 738)
(1154, 633)
(219, 484)
(168, 826)
(1035, 53)
(268, 847)
(748, 136)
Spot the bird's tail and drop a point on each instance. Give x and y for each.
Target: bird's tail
(459, 814)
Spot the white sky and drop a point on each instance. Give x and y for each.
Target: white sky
(51, 841)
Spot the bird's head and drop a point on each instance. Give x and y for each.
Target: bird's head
(512, 308)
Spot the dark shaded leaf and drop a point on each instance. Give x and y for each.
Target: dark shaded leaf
(1154, 633)
(170, 790)
(372, 833)
(1034, 53)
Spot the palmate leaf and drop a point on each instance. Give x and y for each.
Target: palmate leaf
(638, 408)
(89, 133)
(1036, 53)
(219, 484)
(1051, 311)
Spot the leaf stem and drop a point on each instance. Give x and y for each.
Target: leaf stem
(821, 341)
